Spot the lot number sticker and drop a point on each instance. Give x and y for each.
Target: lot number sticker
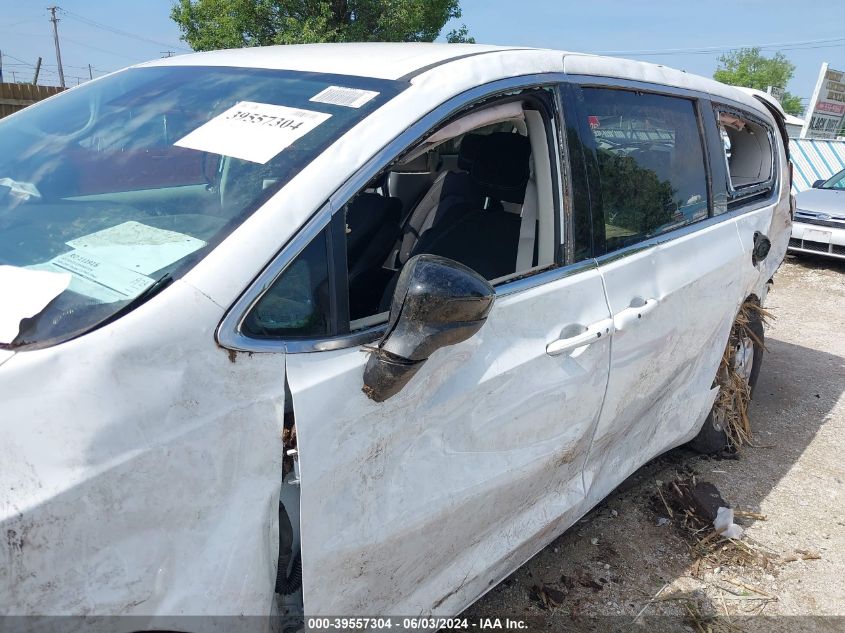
(253, 131)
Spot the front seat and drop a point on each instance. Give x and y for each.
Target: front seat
(487, 240)
(451, 193)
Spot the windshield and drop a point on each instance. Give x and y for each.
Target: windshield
(837, 182)
(128, 181)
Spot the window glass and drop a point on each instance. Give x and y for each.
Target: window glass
(299, 302)
(748, 153)
(470, 210)
(651, 163)
(836, 182)
(93, 183)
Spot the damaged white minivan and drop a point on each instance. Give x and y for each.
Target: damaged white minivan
(359, 329)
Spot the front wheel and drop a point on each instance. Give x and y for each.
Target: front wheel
(727, 426)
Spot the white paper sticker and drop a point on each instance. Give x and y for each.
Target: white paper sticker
(25, 293)
(253, 131)
(96, 278)
(349, 97)
(138, 247)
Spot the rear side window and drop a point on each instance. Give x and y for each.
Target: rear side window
(651, 163)
(749, 155)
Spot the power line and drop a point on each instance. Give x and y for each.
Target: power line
(45, 67)
(795, 45)
(17, 59)
(102, 50)
(106, 27)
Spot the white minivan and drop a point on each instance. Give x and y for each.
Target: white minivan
(386, 318)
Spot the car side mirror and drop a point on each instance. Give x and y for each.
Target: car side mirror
(818, 184)
(437, 302)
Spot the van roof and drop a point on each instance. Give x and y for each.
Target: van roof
(404, 61)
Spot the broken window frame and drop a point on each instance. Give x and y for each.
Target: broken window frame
(741, 195)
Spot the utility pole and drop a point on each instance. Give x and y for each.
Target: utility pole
(166, 53)
(90, 74)
(14, 77)
(1, 67)
(55, 22)
(37, 70)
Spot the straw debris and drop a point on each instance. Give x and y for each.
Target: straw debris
(731, 406)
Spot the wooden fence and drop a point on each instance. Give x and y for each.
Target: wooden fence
(14, 97)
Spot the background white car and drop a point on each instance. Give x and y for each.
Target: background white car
(819, 223)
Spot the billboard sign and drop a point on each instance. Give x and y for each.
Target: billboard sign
(826, 112)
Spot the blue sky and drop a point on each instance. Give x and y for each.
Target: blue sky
(630, 28)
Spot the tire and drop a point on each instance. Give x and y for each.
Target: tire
(713, 438)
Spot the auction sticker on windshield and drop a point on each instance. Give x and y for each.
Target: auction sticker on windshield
(138, 247)
(253, 131)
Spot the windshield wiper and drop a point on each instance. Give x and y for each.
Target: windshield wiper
(148, 293)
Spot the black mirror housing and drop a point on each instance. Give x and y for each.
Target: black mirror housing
(437, 302)
(818, 183)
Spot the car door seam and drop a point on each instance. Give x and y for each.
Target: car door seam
(606, 382)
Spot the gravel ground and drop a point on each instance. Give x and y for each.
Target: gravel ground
(622, 560)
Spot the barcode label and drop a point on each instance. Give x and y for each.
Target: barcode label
(349, 97)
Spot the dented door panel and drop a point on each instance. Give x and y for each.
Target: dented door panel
(663, 363)
(421, 503)
(141, 469)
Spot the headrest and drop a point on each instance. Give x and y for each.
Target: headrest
(501, 168)
(468, 150)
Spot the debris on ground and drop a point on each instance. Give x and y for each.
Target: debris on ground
(548, 596)
(706, 521)
(698, 502)
(724, 524)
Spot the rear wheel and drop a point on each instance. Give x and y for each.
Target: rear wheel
(727, 426)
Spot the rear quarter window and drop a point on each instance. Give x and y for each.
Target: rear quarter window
(749, 155)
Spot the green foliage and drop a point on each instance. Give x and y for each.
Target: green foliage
(214, 24)
(748, 67)
(634, 198)
(792, 104)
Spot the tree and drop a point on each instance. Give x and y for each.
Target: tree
(747, 67)
(213, 24)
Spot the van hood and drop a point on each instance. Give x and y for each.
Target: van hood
(830, 201)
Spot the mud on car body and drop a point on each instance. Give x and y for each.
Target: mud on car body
(331, 333)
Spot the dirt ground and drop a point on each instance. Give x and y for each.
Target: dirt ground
(630, 560)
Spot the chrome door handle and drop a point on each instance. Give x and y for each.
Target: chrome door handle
(629, 316)
(593, 333)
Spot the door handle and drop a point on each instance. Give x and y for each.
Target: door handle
(627, 317)
(593, 333)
